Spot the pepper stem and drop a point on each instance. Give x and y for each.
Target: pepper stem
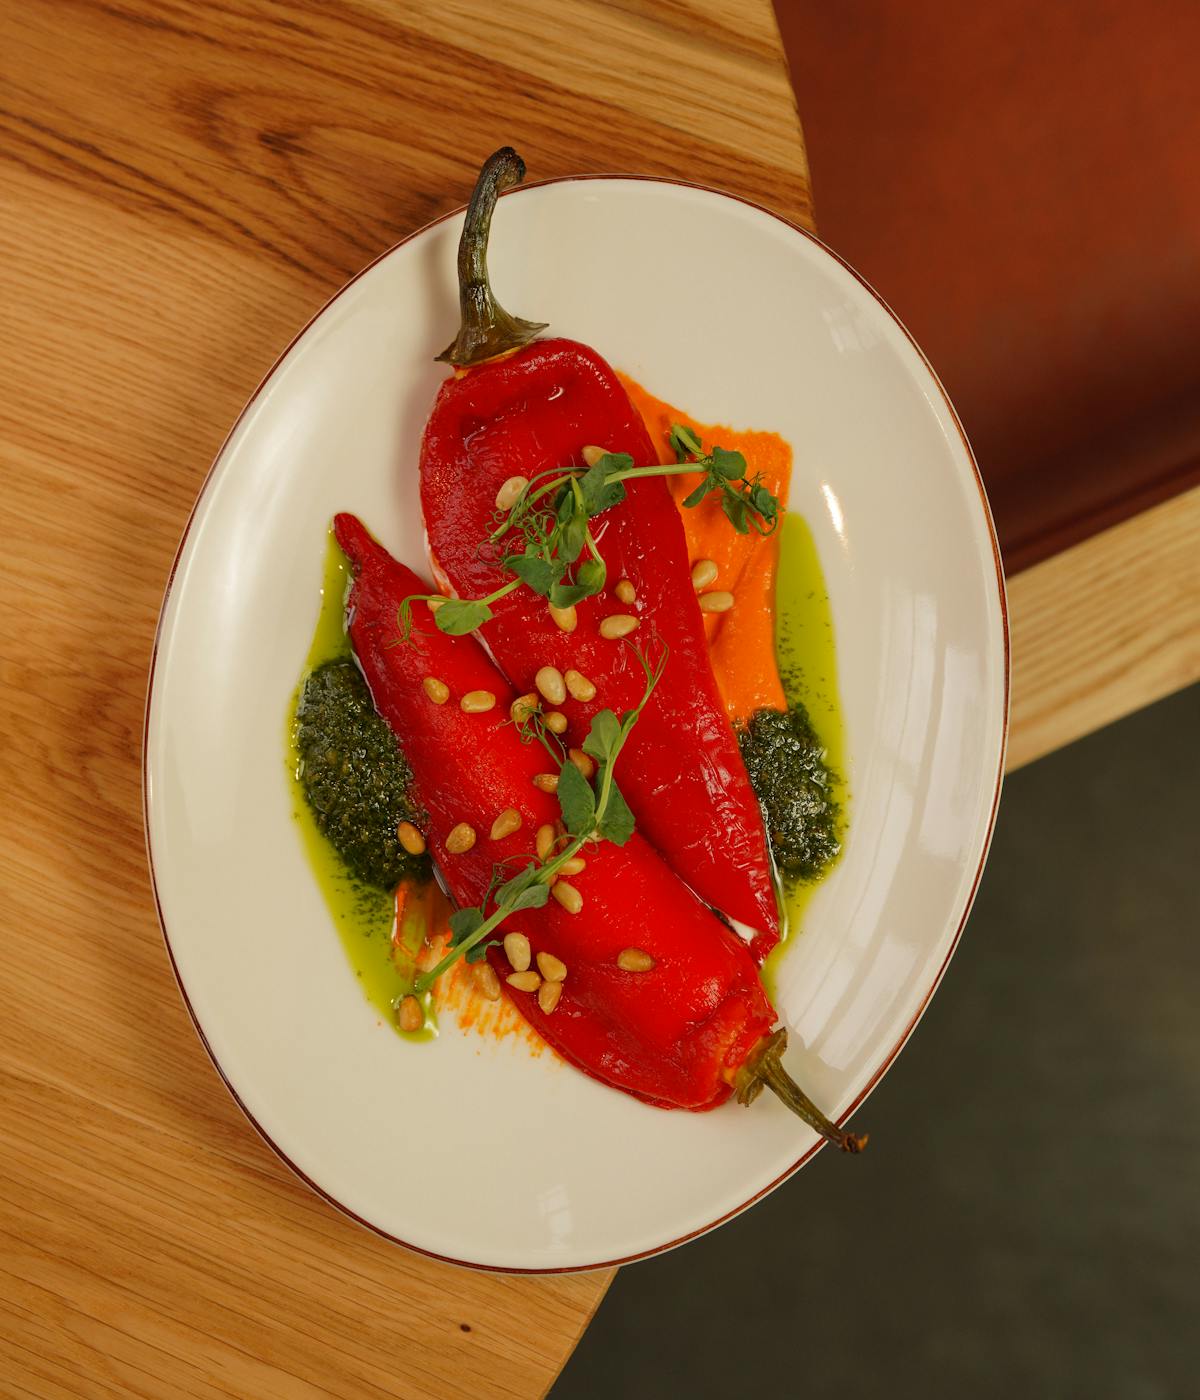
(764, 1068)
(487, 330)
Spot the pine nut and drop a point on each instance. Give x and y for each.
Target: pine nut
(716, 602)
(410, 1014)
(411, 839)
(584, 762)
(477, 702)
(546, 782)
(549, 680)
(524, 981)
(568, 896)
(505, 824)
(704, 572)
(567, 619)
(544, 841)
(634, 960)
(516, 950)
(548, 995)
(591, 455)
(579, 686)
(572, 866)
(461, 839)
(618, 625)
(522, 707)
(625, 591)
(552, 969)
(507, 495)
(486, 981)
(438, 691)
(556, 721)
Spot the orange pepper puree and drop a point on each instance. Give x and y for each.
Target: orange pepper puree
(426, 909)
(742, 640)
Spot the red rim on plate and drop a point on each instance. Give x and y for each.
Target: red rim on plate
(920, 1011)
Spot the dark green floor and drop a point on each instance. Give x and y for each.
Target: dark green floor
(1026, 1222)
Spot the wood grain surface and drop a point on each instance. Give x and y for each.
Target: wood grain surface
(1105, 628)
(181, 186)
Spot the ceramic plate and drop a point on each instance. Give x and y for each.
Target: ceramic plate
(470, 1149)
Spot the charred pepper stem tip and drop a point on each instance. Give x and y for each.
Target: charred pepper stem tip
(487, 330)
(764, 1068)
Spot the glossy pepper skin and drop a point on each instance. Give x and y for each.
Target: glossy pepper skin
(673, 1036)
(683, 775)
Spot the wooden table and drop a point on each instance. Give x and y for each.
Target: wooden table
(181, 186)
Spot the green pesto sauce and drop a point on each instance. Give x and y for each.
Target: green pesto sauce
(355, 778)
(363, 916)
(804, 650)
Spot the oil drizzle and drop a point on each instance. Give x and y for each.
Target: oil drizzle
(381, 933)
(807, 659)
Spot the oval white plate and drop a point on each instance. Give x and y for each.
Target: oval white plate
(471, 1149)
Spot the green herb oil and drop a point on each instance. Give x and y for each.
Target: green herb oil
(804, 650)
(382, 956)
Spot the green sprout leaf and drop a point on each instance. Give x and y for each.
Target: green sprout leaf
(616, 824)
(463, 923)
(695, 497)
(591, 575)
(458, 616)
(729, 465)
(684, 442)
(576, 800)
(539, 574)
(763, 502)
(604, 737)
(736, 510)
(566, 595)
(572, 537)
(589, 579)
(599, 493)
(523, 891)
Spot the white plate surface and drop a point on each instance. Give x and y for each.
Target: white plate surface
(470, 1149)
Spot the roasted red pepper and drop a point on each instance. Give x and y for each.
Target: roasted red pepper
(686, 1033)
(536, 408)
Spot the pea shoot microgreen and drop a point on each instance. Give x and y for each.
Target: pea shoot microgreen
(547, 535)
(532, 728)
(591, 811)
(745, 500)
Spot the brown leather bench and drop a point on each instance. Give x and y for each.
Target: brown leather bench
(1021, 182)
